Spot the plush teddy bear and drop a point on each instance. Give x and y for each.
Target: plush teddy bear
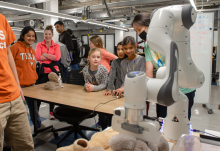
(99, 141)
(81, 145)
(53, 83)
(109, 140)
(127, 142)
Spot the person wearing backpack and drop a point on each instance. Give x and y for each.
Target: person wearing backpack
(76, 52)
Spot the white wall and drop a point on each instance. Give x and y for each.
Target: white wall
(130, 33)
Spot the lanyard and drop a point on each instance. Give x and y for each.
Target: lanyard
(133, 65)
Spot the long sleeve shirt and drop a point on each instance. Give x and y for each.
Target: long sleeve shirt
(66, 39)
(101, 77)
(138, 64)
(115, 80)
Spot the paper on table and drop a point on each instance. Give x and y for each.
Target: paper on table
(208, 147)
(212, 132)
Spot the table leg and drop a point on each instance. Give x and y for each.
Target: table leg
(35, 119)
(36, 131)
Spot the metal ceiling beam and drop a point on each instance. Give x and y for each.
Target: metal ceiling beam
(53, 14)
(26, 2)
(106, 5)
(122, 4)
(25, 17)
(209, 10)
(211, 3)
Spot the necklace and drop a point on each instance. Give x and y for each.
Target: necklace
(133, 65)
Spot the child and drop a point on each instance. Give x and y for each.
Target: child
(115, 80)
(133, 62)
(96, 77)
(95, 74)
(96, 42)
(26, 66)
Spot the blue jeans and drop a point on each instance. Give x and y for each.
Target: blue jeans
(65, 72)
(74, 66)
(30, 103)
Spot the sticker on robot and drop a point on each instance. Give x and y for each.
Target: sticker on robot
(175, 119)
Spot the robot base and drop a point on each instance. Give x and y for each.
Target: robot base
(149, 129)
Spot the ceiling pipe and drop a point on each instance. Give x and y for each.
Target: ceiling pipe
(208, 10)
(54, 14)
(109, 14)
(125, 4)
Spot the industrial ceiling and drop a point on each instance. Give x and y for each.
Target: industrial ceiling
(100, 9)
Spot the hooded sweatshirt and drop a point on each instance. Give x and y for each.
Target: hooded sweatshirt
(25, 61)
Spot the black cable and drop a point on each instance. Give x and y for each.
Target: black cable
(97, 106)
(194, 130)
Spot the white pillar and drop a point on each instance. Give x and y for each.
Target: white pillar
(53, 7)
(119, 34)
(218, 48)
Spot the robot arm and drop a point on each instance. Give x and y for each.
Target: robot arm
(168, 34)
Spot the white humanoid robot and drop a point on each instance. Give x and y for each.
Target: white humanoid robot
(168, 34)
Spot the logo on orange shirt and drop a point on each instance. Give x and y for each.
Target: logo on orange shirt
(2, 37)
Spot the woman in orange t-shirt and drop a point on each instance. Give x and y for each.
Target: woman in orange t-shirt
(48, 52)
(96, 42)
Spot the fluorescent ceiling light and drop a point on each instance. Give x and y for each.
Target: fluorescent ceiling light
(49, 13)
(193, 4)
(108, 25)
(114, 20)
(19, 29)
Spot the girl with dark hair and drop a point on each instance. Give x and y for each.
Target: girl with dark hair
(115, 80)
(133, 62)
(155, 60)
(24, 56)
(48, 53)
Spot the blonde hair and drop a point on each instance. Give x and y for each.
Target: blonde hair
(97, 41)
(49, 27)
(90, 53)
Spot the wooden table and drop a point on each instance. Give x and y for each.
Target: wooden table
(74, 96)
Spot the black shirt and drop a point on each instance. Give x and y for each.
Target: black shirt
(66, 39)
(75, 54)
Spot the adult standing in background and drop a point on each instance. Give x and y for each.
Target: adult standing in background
(14, 126)
(76, 52)
(48, 53)
(155, 60)
(66, 39)
(26, 66)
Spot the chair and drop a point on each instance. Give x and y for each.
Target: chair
(70, 114)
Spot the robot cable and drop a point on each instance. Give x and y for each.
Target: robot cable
(97, 106)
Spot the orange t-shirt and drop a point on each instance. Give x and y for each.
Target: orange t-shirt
(106, 57)
(9, 90)
(25, 61)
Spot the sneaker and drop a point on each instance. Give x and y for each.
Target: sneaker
(98, 125)
(51, 117)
